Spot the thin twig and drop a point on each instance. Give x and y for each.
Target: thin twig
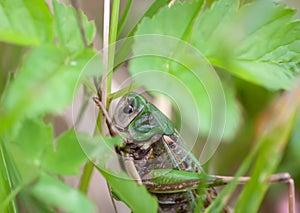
(106, 24)
(111, 197)
(124, 16)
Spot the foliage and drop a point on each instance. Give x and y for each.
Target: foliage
(245, 50)
(45, 81)
(43, 54)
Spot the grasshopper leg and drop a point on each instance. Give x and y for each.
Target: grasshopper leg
(112, 130)
(275, 178)
(131, 169)
(286, 178)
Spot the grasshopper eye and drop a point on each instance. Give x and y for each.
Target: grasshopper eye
(131, 106)
(128, 109)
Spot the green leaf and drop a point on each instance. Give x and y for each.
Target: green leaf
(32, 204)
(67, 157)
(25, 22)
(6, 183)
(292, 156)
(28, 147)
(241, 42)
(68, 29)
(125, 48)
(46, 82)
(168, 22)
(139, 200)
(98, 148)
(34, 153)
(10, 55)
(273, 139)
(151, 11)
(206, 32)
(101, 151)
(165, 22)
(233, 112)
(176, 57)
(59, 195)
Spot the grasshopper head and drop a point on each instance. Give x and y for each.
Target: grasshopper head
(140, 119)
(128, 108)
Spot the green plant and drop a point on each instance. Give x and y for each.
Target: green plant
(254, 48)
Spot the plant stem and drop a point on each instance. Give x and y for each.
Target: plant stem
(124, 16)
(86, 177)
(89, 166)
(109, 38)
(106, 22)
(108, 58)
(111, 48)
(11, 199)
(7, 191)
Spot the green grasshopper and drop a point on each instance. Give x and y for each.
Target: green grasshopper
(154, 155)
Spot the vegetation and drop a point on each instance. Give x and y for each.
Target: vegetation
(238, 62)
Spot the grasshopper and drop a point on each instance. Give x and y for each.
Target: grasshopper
(154, 155)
